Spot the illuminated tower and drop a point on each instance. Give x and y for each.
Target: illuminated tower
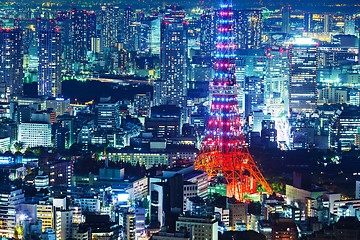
(49, 68)
(11, 61)
(224, 152)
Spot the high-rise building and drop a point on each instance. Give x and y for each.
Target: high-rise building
(10, 200)
(248, 27)
(128, 20)
(49, 68)
(308, 22)
(303, 75)
(91, 29)
(63, 23)
(254, 94)
(129, 226)
(285, 16)
(344, 134)
(79, 34)
(110, 25)
(349, 26)
(207, 35)
(11, 64)
(35, 134)
(277, 77)
(173, 57)
(155, 36)
(63, 222)
(144, 37)
(166, 197)
(326, 20)
(108, 115)
(45, 213)
(238, 213)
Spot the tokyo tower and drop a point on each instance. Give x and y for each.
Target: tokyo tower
(224, 152)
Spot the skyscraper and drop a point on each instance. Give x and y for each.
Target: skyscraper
(326, 20)
(173, 56)
(110, 17)
(303, 75)
(248, 27)
(349, 26)
(145, 35)
(63, 23)
(91, 29)
(126, 27)
(49, 68)
(79, 34)
(286, 16)
(11, 64)
(207, 35)
(308, 22)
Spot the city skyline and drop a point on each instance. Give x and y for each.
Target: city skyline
(179, 120)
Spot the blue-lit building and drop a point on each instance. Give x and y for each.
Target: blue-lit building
(49, 68)
(11, 63)
(303, 75)
(173, 57)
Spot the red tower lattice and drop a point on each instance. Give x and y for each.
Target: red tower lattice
(224, 152)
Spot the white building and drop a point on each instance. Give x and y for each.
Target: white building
(63, 222)
(89, 204)
(35, 134)
(190, 190)
(10, 200)
(200, 227)
(41, 182)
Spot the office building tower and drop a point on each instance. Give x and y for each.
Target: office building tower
(308, 22)
(277, 77)
(207, 35)
(173, 56)
(45, 214)
(110, 26)
(107, 114)
(286, 17)
(128, 19)
(10, 200)
(254, 94)
(49, 68)
(144, 37)
(35, 134)
(79, 34)
(142, 104)
(238, 213)
(155, 36)
(11, 64)
(268, 134)
(344, 134)
(63, 222)
(200, 227)
(303, 75)
(63, 23)
(248, 27)
(327, 22)
(349, 26)
(91, 26)
(133, 40)
(166, 198)
(129, 226)
(164, 122)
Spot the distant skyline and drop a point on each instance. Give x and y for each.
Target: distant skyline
(237, 3)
